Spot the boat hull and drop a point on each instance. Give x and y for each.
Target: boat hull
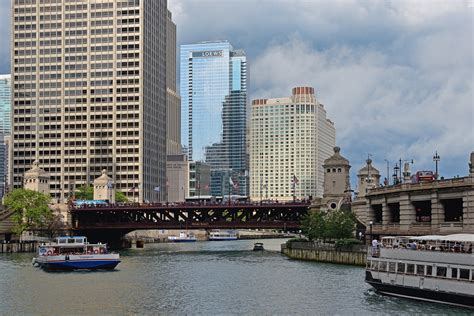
(78, 262)
(222, 238)
(420, 294)
(182, 240)
(80, 265)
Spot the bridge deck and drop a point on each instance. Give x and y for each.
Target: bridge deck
(190, 216)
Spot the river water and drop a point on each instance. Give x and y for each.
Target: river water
(200, 278)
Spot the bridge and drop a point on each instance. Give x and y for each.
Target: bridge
(110, 222)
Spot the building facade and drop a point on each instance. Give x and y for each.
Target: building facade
(177, 171)
(290, 140)
(173, 101)
(199, 179)
(89, 92)
(425, 208)
(214, 112)
(5, 127)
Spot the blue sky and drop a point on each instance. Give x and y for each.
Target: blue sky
(396, 77)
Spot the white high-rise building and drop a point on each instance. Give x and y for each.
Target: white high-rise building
(289, 140)
(89, 93)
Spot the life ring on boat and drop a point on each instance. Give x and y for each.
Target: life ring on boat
(49, 253)
(102, 250)
(96, 251)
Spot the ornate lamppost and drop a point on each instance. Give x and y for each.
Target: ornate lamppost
(436, 159)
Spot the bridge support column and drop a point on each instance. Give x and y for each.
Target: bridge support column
(407, 212)
(437, 212)
(386, 216)
(468, 210)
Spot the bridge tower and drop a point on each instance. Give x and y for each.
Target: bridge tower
(36, 179)
(104, 188)
(369, 178)
(337, 186)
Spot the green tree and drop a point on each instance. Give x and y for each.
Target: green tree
(85, 192)
(339, 224)
(313, 225)
(328, 225)
(120, 197)
(30, 209)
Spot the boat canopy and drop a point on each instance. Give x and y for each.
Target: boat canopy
(453, 237)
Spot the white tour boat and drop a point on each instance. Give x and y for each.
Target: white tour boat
(223, 235)
(430, 268)
(183, 237)
(72, 253)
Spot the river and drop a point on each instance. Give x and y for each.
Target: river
(200, 278)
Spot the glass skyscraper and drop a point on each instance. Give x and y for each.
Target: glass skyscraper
(214, 112)
(5, 125)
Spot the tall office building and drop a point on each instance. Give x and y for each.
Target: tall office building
(5, 126)
(214, 112)
(89, 84)
(173, 101)
(290, 139)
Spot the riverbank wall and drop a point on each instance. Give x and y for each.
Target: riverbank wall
(311, 251)
(11, 247)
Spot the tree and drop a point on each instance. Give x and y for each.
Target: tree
(339, 224)
(30, 209)
(328, 225)
(85, 192)
(313, 225)
(120, 197)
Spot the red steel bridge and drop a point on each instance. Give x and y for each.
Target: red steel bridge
(107, 221)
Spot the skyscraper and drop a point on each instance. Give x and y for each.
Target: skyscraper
(173, 101)
(214, 112)
(5, 126)
(290, 139)
(89, 84)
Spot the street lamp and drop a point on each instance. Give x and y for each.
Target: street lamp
(436, 159)
(395, 174)
(370, 225)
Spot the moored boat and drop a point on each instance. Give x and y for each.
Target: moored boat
(74, 253)
(431, 268)
(183, 237)
(223, 235)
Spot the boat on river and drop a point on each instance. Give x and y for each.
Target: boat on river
(431, 268)
(223, 235)
(74, 253)
(258, 246)
(183, 237)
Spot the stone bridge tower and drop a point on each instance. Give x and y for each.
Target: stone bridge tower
(36, 179)
(104, 188)
(337, 186)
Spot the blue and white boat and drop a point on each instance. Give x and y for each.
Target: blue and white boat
(223, 235)
(74, 253)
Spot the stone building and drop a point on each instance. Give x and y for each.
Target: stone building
(36, 179)
(439, 207)
(104, 188)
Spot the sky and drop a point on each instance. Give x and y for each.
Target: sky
(396, 77)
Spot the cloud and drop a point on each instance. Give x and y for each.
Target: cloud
(396, 77)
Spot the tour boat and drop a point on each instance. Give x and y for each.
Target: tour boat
(223, 235)
(258, 246)
(430, 268)
(183, 237)
(72, 253)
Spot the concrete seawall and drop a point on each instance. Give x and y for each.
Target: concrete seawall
(355, 255)
(18, 247)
